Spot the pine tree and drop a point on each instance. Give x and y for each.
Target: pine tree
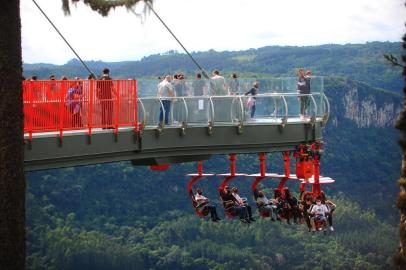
(400, 258)
(12, 181)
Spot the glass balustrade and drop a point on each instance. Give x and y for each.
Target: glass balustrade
(277, 102)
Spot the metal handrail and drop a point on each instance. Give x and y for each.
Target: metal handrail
(315, 106)
(241, 106)
(286, 106)
(186, 111)
(242, 109)
(144, 115)
(212, 110)
(326, 114)
(317, 111)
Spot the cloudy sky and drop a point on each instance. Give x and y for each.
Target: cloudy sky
(204, 25)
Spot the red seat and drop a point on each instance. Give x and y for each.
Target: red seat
(200, 212)
(304, 169)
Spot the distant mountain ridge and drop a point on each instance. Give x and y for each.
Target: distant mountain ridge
(361, 62)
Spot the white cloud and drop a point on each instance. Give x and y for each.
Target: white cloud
(203, 25)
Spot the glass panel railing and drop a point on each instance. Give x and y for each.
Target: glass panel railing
(266, 108)
(199, 110)
(300, 106)
(277, 100)
(178, 112)
(148, 111)
(222, 109)
(238, 114)
(201, 87)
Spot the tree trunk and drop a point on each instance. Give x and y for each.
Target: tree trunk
(12, 182)
(400, 258)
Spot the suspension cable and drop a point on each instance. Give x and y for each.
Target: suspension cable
(67, 43)
(173, 35)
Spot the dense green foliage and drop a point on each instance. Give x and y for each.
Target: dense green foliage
(361, 62)
(82, 218)
(116, 216)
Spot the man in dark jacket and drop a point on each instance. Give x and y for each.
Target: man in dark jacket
(105, 93)
(303, 89)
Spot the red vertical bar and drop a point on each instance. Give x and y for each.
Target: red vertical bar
(286, 159)
(232, 164)
(262, 165)
(61, 107)
(136, 127)
(47, 111)
(30, 95)
(90, 109)
(48, 102)
(200, 167)
(117, 96)
(316, 190)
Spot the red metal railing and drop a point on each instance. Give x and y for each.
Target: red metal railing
(58, 106)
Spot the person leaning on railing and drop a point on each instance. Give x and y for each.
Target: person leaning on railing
(165, 92)
(251, 103)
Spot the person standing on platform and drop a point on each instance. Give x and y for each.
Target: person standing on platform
(74, 104)
(218, 84)
(105, 93)
(303, 90)
(252, 101)
(198, 85)
(233, 85)
(165, 93)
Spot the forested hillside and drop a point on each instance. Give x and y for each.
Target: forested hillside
(361, 62)
(117, 216)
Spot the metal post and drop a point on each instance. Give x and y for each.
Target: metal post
(286, 159)
(136, 127)
(200, 167)
(90, 114)
(232, 158)
(117, 108)
(262, 164)
(316, 190)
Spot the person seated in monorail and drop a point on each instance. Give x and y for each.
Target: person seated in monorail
(266, 205)
(203, 204)
(231, 205)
